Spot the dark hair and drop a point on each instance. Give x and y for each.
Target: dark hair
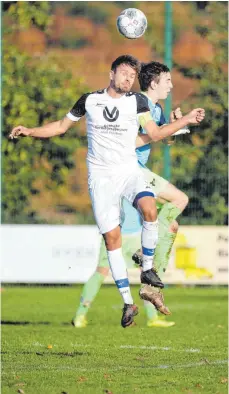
(151, 72)
(126, 59)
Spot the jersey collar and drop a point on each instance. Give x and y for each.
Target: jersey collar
(145, 94)
(113, 98)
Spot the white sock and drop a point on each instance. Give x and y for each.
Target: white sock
(119, 273)
(149, 243)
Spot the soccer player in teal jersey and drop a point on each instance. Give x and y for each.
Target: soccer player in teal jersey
(155, 82)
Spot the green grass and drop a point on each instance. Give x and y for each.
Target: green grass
(187, 358)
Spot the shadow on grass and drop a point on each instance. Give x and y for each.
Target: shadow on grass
(62, 354)
(24, 323)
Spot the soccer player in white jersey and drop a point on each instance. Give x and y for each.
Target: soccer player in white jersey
(155, 82)
(113, 116)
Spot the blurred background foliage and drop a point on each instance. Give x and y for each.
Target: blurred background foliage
(55, 51)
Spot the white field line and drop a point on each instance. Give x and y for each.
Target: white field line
(160, 348)
(38, 344)
(20, 367)
(165, 348)
(130, 347)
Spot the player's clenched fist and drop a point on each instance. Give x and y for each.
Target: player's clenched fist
(196, 115)
(176, 114)
(19, 130)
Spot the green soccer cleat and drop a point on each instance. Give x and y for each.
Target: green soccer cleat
(160, 322)
(79, 321)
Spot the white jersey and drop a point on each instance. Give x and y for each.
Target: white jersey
(112, 128)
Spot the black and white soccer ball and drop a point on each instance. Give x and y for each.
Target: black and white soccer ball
(132, 23)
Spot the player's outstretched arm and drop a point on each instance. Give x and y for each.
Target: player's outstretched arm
(157, 133)
(49, 130)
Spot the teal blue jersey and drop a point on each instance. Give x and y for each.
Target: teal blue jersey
(132, 222)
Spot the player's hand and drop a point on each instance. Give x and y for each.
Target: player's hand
(196, 115)
(176, 114)
(19, 130)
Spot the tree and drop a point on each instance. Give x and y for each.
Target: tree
(206, 183)
(34, 92)
(199, 161)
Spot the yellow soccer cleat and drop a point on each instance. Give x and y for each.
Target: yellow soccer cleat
(79, 322)
(161, 323)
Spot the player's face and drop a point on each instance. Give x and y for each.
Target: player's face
(123, 78)
(164, 86)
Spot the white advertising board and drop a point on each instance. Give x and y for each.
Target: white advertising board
(48, 254)
(69, 254)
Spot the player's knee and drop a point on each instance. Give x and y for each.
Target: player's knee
(150, 213)
(103, 270)
(185, 200)
(148, 209)
(174, 227)
(181, 201)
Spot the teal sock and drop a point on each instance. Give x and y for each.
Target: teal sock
(92, 286)
(150, 310)
(168, 214)
(89, 292)
(163, 253)
(103, 260)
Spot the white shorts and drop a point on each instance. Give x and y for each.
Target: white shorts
(107, 193)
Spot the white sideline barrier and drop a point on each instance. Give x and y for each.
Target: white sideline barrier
(69, 254)
(48, 254)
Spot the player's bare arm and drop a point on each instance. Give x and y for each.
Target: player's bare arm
(157, 133)
(144, 139)
(49, 130)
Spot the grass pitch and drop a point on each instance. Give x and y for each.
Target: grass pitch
(43, 353)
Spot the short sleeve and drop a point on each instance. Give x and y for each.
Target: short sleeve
(142, 103)
(162, 117)
(79, 109)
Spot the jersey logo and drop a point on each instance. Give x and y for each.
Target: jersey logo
(153, 182)
(111, 116)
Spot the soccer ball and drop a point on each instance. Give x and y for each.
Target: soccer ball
(132, 23)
